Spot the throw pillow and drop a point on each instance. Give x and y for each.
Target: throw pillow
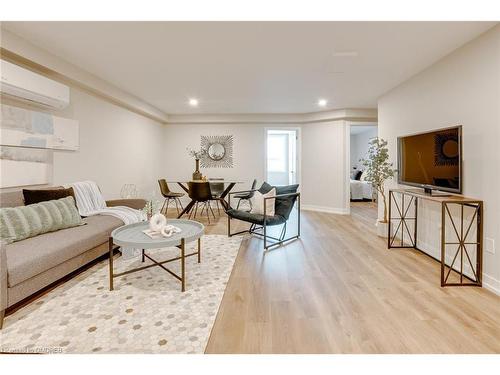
(42, 195)
(258, 203)
(19, 223)
(358, 175)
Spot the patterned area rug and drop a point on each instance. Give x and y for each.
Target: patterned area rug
(146, 313)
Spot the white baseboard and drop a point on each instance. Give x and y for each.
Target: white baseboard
(330, 210)
(491, 283)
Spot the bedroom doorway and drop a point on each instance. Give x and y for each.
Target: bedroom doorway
(362, 198)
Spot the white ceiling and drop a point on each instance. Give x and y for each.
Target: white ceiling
(252, 67)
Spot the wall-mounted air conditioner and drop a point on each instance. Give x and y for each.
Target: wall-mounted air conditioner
(25, 85)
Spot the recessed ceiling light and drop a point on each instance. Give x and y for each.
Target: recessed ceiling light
(193, 102)
(322, 102)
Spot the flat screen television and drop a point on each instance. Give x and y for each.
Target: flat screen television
(432, 160)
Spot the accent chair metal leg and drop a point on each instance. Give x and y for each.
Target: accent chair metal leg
(163, 206)
(180, 203)
(2, 316)
(176, 206)
(238, 205)
(143, 257)
(166, 209)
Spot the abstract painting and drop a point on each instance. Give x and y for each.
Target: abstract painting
(219, 151)
(23, 166)
(25, 128)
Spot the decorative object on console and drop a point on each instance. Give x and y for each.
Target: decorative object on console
(128, 191)
(378, 169)
(219, 151)
(197, 155)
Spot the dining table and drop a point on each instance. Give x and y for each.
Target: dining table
(184, 184)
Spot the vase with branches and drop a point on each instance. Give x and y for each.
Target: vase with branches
(197, 155)
(378, 169)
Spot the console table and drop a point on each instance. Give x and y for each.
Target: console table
(404, 219)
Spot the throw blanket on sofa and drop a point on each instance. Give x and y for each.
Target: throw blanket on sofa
(90, 202)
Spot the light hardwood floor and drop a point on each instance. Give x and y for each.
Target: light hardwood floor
(339, 290)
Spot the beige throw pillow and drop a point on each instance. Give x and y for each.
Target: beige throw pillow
(258, 203)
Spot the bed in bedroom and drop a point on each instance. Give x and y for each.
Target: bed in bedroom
(361, 190)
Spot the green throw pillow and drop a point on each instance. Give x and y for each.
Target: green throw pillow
(19, 223)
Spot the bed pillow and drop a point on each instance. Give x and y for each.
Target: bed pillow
(258, 203)
(358, 175)
(19, 223)
(42, 195)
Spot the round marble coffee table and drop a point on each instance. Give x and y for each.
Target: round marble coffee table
(132, 236)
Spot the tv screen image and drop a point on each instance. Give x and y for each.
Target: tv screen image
(432, 160)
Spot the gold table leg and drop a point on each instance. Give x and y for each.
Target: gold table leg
(110, 263)
(183, 262)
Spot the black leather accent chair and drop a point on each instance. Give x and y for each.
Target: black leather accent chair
(286, 197)
(246, 196)
(169, 195)
(200, 193)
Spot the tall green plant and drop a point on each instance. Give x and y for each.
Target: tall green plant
(378, 169)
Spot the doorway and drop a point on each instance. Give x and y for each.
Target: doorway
(282, 161)
(362, 196)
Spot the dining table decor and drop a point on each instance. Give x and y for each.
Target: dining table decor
(197, 155)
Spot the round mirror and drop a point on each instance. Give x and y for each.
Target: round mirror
(216, 151)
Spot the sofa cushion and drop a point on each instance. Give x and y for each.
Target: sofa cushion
(41, 195)
(283, 205)
(255, 218)
(32, 256)
(19, 223)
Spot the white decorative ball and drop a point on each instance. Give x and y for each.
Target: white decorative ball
(157, 222)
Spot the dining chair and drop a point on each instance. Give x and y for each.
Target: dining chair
(200, 193)
(247, 196)
(169, 195)
(217, 188)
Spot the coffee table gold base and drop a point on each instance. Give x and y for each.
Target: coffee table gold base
(182, 258)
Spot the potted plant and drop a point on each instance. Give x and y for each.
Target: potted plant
(378, 169)
(197, 155)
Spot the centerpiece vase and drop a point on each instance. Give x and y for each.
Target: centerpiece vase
(196, 174)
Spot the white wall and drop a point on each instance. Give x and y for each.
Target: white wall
(117, 146)
(462, 88)
(322, 151)
(359, 146)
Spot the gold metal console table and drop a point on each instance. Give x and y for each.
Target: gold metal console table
(463, 232)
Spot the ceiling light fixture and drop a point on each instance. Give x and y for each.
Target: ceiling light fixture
(322, 102)
(193, 102)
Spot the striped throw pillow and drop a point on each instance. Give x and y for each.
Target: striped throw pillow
(19, 223)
